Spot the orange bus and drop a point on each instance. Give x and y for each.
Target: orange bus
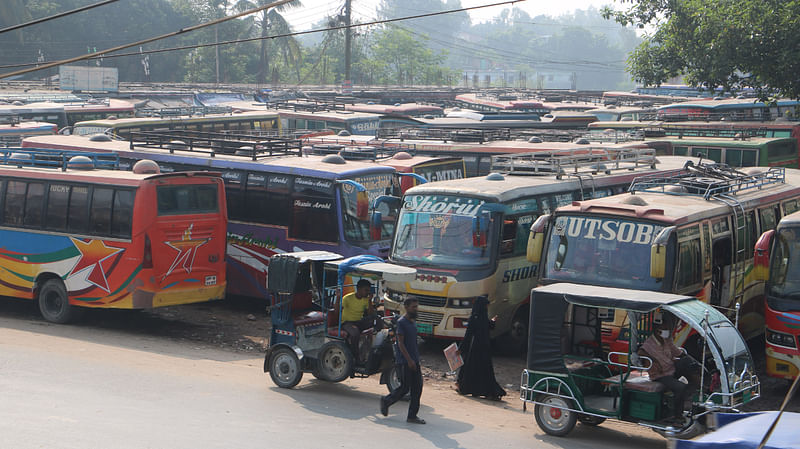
(78, 236)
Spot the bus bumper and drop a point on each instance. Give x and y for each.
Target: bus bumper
(437, 322)
(143, 299)
(781, 365)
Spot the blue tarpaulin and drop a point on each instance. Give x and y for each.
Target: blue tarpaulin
(745, 431)
(350, 264)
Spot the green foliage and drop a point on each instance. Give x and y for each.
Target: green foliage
(734, 44)
(397, 57)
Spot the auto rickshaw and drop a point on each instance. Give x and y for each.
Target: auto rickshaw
(305, 307)
(572, 377)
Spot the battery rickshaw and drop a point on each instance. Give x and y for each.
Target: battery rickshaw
(572, 377)
(305, 309)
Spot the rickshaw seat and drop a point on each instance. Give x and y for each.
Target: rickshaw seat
(309, 318)
(637, 381)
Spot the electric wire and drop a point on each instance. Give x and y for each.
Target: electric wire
(56, 16)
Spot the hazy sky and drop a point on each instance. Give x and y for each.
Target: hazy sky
(314, 10)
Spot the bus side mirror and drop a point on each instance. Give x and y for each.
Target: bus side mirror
(362, 205)
(761, 257)
(658, 253)
(375, 225)
(536, 239)
(480, 228)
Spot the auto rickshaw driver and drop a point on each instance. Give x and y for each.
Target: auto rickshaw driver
(358, 313)
(670, 363)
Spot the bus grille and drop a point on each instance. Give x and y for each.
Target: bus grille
(430, 301)
(429, 317)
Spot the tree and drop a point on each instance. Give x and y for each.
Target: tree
(271, 20)
(733, 44)
(402, 59)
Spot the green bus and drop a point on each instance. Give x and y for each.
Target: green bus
(736, 152)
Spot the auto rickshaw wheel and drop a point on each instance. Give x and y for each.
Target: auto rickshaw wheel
(284, 368)
(552, 416)
(589, 420)
(335, 362)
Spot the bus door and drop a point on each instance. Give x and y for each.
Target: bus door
(179, 242)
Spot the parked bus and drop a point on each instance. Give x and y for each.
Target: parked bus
(361, 123)
(13, 131)
(235, 122)
(409, 109)
(97, 109)
(35, 112)
(467, 238)
(690, 233)
(735, 152)
(277, 200)
(74, 236)
(777, 261)
(736, 109)
(426, 168)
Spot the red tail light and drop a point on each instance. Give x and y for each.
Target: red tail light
(147, 260)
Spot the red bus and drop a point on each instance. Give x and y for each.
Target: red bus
(78, 236)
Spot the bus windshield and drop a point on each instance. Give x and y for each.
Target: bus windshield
(601, 251)
(784, 278)
(443, 238)
(357, 230)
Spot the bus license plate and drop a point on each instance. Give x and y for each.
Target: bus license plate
(211, 280)
(425, 328)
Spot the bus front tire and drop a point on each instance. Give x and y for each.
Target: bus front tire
(552, 416)
(54, 302)
(284, 368)
(515, 341)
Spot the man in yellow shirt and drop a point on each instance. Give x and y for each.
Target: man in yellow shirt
(358, 314)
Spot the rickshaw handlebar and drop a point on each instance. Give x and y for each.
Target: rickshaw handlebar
(633, 357)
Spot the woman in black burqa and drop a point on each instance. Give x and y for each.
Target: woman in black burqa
(476, 376)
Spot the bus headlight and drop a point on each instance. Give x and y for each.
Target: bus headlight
(461, 303)
(396, 297)
(780, 339)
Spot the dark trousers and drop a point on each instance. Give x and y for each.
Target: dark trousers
(683, 367)
(409, 380)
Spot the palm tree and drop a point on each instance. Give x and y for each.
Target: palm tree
(271, 20)
(13, 12)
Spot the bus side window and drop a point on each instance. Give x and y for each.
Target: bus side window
(768, 220)
(34, 205)
(14, 203)
(790, 206)
(508, 236)
(57, 206)
(689, 272)
(78, 220)
(234, 194)
(122, 214)
(100, 212)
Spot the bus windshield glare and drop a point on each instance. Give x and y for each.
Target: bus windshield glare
(443, 238)
(357, 229)
(601, 251)
(784, 279)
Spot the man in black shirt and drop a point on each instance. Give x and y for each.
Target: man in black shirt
(407, 360)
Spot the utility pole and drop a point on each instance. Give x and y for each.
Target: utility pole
(216, 49)
(348, 40)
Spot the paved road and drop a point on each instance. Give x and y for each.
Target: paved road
(80, 387)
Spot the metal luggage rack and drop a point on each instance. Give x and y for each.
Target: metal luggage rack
(707, 180)
(369, 152)
(445, 134)
(50, 158)
(283, 132)
(184, 111)
(731, 131)
(592, 160)
(307, 105)
(254, 147)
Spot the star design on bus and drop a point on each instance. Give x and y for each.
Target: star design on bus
(93, 254)
(187, 250)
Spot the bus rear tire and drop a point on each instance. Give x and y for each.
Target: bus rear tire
(54, 303)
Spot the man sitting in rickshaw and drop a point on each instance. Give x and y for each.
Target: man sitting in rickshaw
(358, 314)
(669, 363)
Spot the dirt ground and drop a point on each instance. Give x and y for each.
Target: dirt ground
(242, 325)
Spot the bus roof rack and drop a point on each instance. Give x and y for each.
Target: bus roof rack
(708, 180)
(185, 111)
(50, 158)
(307, 105)
(370, 152)
(591, 160)
(445, 134)
(704, 130)
(253, 147)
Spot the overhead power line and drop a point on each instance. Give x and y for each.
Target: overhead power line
(104, 53)
(146, 41)
(56, 16)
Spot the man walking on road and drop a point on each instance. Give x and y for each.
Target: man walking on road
(407, 359)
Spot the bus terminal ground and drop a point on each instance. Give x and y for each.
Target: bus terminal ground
(241, 325)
